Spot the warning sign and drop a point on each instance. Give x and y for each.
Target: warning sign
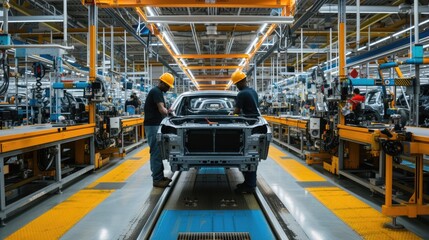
(354, 73)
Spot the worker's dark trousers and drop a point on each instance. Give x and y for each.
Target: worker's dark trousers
(156, 165)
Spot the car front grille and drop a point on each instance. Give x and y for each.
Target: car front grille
(209, 141)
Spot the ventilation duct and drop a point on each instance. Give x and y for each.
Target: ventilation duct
(211, 29)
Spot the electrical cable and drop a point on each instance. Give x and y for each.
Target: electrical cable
(46, 158)
(39, 72)
(6, 71)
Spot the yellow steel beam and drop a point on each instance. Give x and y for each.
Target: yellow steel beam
(211, 67)
(342, 50)
(205, 56)
(192, 3)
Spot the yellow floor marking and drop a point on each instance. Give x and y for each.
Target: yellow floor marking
(361, 217)
(274, 150)
(126, 168)
(294, 168)
(142, 153)
(57, 221)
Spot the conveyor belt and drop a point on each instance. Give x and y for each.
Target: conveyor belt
(203, 201)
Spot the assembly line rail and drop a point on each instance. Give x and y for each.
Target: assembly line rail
(278, 229)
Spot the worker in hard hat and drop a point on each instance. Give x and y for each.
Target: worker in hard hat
(135, 102)
(154, 111)
(246, 104)
(356, 99)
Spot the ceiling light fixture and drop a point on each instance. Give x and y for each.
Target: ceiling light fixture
(172, 45)
(262, 28)
(249, 49)
(183, 62)
(150, 11)
(242, 62)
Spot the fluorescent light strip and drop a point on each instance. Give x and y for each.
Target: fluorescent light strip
(361, 48)
(242, 62)
(192, 77)
(183, 62)
(172, 45)
(394, 35)
(249, 49)
(262, 28)
(150, 11)
(408, 29)
(379, 41)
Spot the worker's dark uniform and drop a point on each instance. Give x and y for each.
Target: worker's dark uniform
(152, 120)
(247, 101)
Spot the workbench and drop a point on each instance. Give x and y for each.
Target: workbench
(348, 163)
(285, 126)
(27, 141)
(411, 160)
(136, 128)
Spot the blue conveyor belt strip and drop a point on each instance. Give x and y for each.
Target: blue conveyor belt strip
(171, 222)
(413, 165)
(211, 170)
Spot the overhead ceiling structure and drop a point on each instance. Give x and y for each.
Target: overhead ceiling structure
(204, 42)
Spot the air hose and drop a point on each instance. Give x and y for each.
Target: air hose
(5, 78)
(46, 158)
(39, 73)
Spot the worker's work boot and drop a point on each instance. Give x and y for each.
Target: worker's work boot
(162, 183)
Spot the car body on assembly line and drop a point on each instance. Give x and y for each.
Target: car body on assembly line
(196, 136)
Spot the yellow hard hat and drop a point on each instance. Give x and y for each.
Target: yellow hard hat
(168, 78)
(237, 76)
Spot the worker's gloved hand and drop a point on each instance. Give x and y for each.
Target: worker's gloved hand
(171, 112)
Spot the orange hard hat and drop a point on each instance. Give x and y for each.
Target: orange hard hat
(237, 76)
(167, 78)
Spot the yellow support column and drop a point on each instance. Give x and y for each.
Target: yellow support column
(92, 55)
(342, 48)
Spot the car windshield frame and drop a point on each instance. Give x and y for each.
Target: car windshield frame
(200, 104)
